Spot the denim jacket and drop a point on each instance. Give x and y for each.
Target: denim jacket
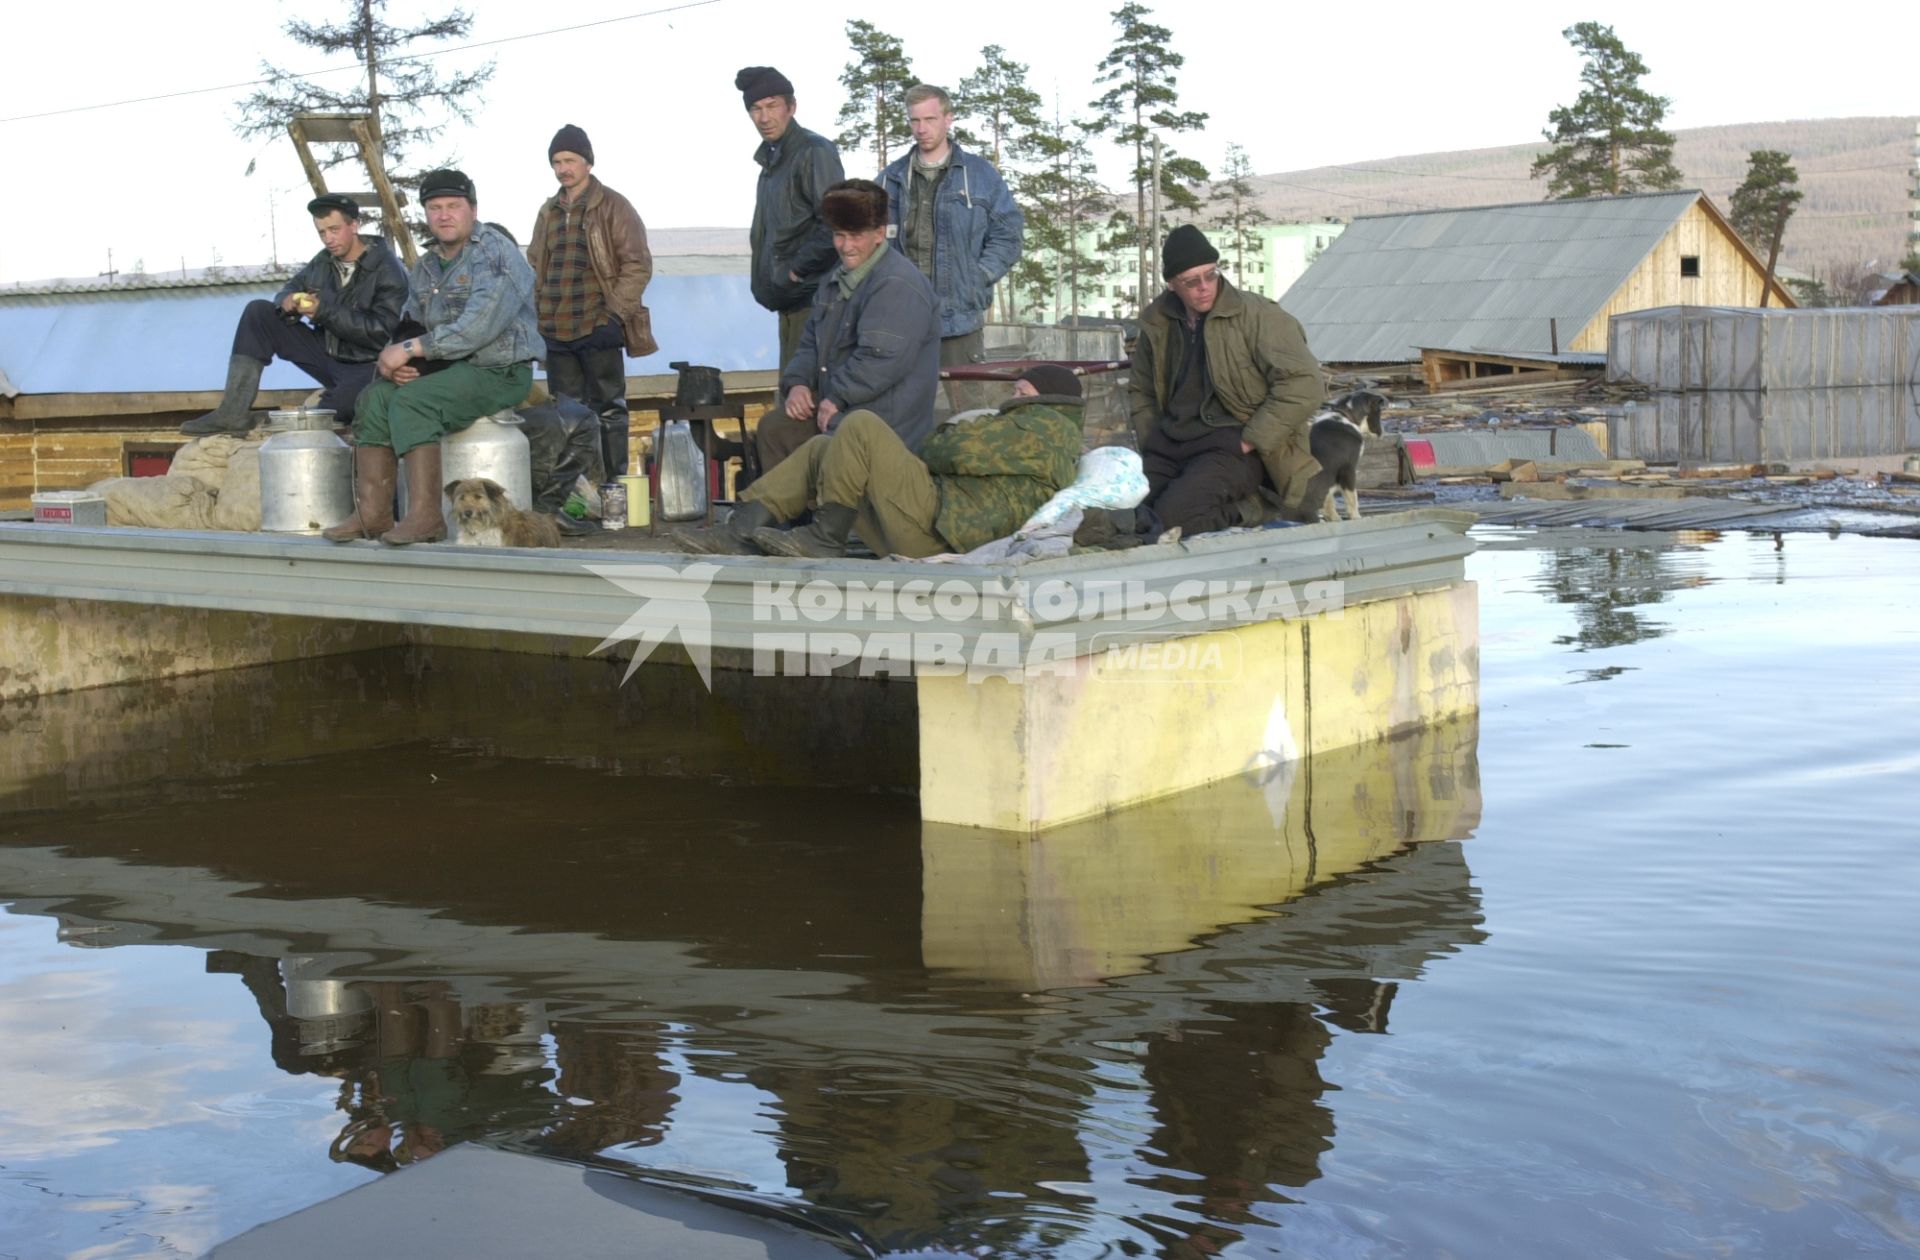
(977, 230)
(480, 308)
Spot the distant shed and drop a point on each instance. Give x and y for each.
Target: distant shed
(1532, 283)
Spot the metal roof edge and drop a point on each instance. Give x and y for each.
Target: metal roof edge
(1548, 202)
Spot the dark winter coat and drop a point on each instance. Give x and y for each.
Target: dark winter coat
(788, 234)
(878, 350)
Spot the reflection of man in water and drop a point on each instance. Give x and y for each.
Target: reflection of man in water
(415, 1076)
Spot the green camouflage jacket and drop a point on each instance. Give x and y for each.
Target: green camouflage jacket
(995, 471)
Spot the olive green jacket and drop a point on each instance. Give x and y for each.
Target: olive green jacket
(995, 471)
(1263, 374)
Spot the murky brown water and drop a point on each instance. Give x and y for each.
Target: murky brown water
(1622, 969)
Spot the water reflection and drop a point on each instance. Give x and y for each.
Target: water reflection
(1755, 426)
(1116, 1034)
(1606, 587)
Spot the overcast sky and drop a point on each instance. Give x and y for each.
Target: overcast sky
(1298, 86)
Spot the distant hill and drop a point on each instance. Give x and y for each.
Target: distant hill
(1857, 174)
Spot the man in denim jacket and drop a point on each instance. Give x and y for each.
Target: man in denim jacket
(950, 213)
(466, 351)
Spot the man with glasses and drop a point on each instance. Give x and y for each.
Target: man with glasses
(1222, 392)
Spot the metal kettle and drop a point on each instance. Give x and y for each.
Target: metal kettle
(697, 387)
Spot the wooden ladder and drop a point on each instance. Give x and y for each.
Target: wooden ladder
(357, 130)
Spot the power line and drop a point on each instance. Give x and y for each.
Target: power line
(314, 74)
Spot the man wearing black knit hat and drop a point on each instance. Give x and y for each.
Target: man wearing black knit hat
(591, 265)
(1222, 391)
(792, 248)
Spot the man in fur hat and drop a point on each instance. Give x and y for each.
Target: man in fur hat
(871, 341)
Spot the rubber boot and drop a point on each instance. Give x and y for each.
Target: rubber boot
(734, 538)
(424, 522)
(374, 469)
(607, 370)
(824, 539)
(234, 414)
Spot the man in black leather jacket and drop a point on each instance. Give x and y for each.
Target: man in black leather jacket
(792, 248)
(331, 321)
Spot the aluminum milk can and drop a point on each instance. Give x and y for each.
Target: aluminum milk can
(683, 473)
(306, 474)
(492, 447)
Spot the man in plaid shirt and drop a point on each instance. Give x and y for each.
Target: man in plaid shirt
(591, 265)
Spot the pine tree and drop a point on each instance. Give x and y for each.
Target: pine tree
(1764, 202)
(409, 100)
(876, 80)
(1143, 100)
(1007, 111)
(1609, 141)
(1239, 214)
(1064, 203)
(997, 97)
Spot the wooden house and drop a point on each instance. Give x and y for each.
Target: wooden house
(1518, 289)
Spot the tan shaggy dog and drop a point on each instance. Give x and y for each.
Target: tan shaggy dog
(483, 517)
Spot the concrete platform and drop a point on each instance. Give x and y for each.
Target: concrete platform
(473, 1201)
(1047, 692)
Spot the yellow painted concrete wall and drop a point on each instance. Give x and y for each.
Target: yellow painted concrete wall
(1056, 748)
(1098, 898)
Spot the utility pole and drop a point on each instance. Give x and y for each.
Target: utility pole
(109, 273)
(1153, 241)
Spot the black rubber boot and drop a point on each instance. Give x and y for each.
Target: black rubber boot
(824, 539)
(734, 538)
(608, 369)
(234, 414)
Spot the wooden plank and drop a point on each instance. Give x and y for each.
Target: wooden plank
(89, 406)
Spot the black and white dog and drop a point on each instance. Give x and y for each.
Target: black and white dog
(1336, 440)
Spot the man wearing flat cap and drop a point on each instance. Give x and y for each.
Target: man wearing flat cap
(465, 350)
(791, 246)
(330, 321)
(1221, 393)
(591, 265)
(871, 340)
(976, 478)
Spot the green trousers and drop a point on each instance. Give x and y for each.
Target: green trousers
(425, 410)
(865, 466)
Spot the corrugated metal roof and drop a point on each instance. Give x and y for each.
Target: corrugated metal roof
(168, 338)
(1487, 278)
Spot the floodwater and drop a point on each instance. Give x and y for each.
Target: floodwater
(1625, 968)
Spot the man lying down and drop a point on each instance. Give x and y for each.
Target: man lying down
(978, 477)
